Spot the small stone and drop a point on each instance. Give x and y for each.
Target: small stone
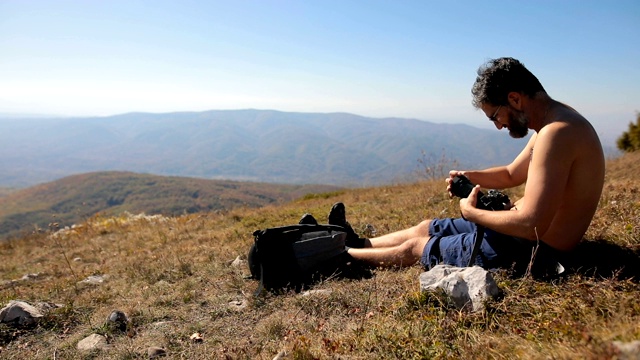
(196, 337)
(161, 323)
(319, 292)
(239, 262)
(29, 277)
(155, 352)
(281, 355)
(93, 280)
(91, 342)
(162, 284)
(238, 305)
(118, 320)
(369, 231)
(47, 306)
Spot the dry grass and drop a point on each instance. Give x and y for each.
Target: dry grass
(172, 276)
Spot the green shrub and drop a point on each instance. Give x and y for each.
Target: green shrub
(630, 140)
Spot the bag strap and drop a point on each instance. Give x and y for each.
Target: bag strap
(260, 288)
(301, 228)
(477, 241)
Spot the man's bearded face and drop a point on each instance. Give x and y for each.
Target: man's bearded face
(518, 124)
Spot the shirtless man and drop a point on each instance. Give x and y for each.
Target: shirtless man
(562, 165)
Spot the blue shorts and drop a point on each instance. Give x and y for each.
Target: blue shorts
(452, 242)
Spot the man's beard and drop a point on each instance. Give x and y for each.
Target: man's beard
(518, 124)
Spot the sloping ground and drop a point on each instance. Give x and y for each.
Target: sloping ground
(75, 198)
(172, 277)
(4, 191)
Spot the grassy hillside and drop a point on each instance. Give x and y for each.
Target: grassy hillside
(173, 278)
(4, 191)
(75, 198)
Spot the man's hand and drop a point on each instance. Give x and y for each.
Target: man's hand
(449, 180)
(468, 204)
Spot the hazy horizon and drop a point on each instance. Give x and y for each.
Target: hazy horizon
(411, 59)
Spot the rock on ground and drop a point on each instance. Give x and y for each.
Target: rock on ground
(20, 312)
(91, 342)
(117, 320)
(155, 352)
(467, 287)
(627, 350)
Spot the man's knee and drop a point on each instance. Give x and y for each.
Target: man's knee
(422, 229)
(414, 247)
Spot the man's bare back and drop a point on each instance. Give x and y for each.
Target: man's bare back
(581, 186)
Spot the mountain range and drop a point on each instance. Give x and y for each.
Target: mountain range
(251, 145)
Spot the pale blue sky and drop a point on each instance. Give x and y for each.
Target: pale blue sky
(413, 59)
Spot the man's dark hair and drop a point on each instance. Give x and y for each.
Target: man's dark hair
(498, 77)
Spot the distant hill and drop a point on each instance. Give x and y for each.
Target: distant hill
(4, 191)
(75, 198)
(252, 145)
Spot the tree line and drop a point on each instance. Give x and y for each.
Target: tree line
(630, 140)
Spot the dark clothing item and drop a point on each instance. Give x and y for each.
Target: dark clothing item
(452, 243)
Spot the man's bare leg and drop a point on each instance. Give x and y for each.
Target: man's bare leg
(397, 238)
(407, 253)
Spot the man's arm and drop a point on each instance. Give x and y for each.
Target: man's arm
(501, 177)
(547, 176)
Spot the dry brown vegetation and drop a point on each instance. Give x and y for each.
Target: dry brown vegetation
(173, 278)
(4, 191)
(75, 198)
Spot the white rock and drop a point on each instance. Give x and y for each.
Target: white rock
(281, 355)
(468, 287)
(239, 262)
(161, 324)
(91, 342)
(93, 280)
(29, 277)
(628, 350)
(238, 305)
(319, 292)
(20, 312)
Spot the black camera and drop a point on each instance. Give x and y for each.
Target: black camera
(493, 200)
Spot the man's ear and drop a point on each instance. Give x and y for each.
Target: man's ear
(515, 100)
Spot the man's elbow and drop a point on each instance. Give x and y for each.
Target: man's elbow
(535, 228)
(517, 179)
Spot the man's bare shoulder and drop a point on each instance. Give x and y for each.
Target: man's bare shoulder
(568, 129)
